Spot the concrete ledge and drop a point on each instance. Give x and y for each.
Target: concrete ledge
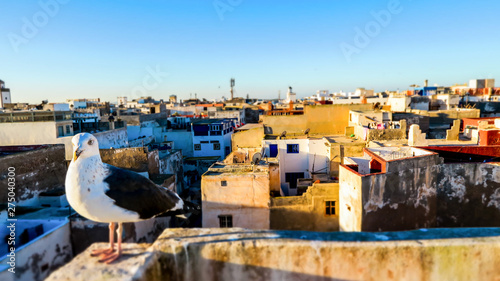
(240, 254)
(136, 259)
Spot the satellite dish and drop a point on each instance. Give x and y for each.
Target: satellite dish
(283, 134)
(256, 158)
(307, 131)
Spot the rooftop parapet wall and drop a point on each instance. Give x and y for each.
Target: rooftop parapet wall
(36, 171)
(239, 254)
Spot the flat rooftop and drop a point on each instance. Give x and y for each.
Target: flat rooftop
(393, 153)
(220, 168)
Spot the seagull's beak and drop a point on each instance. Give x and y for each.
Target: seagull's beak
(77, 153)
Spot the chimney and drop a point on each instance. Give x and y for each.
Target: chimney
(426, 83)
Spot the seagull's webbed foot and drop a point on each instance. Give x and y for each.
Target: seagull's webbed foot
(99, 252)
(109, 258)
(111, 248)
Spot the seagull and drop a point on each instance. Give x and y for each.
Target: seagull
(107, 194)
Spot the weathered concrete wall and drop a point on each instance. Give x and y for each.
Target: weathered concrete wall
(36, 171)
(238, 254)
(386, 134)
(402, 198)
(117, 138)
(109, 139)
(468, 195)
(306, 212)
(37, 259)
(399, 201)
(248, 138)
(171, 163)
(133, 158)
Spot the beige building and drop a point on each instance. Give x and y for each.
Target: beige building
(315, 210)
(236, 195)
(34, 127)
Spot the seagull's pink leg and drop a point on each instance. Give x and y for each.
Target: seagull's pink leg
(111, 257)
(111, 248)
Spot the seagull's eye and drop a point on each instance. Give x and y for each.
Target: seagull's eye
(91, 142)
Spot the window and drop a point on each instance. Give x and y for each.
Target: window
(197, 146)
(223, 183)
(203, 141)
(330, 208)
(226, 221)
(273, 150)
(216, 146)
(68, 129)
(292, 148)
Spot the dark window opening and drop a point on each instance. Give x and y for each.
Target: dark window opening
(292, 148)
(223, 183)
(330, 208)
(226, 221)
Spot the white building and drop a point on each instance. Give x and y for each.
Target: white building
(77, 103)
(122, 101)
(212, 137)
(290, 96)
(298, 158)
(4, 95)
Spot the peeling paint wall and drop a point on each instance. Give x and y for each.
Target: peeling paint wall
(36, 171)
(469, 195)
(171, 162)
(402, 198)
(236, 254)
(133, 158)
(36, 260)
(306, 212)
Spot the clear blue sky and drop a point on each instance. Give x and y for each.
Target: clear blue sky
(103, 49)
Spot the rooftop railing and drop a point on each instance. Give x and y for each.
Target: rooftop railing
(35, 116)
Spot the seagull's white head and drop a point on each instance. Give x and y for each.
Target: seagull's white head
(84, 145)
